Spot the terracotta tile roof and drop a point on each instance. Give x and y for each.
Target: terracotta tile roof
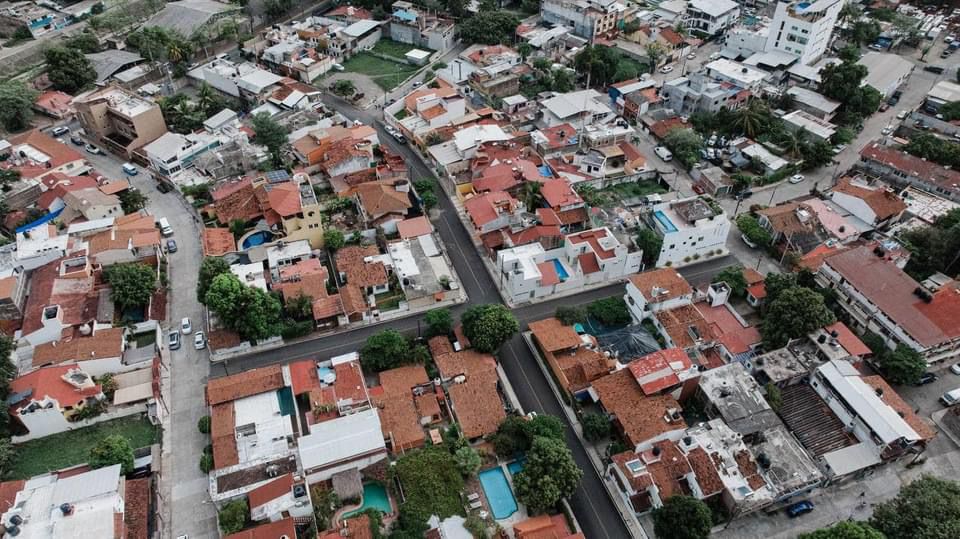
(49, 382)
(273, 530)
(400, 421)
(727, 329)
(401, 380)
(892, 291)
(667, 281)
(548, 274)
(440, 345)
(659, 370)
(943, 177)
(136, 508)
(592, 237)
(758, 290)
(327, 307)
(543, 527)
(349, 11)
(484, 208)
(632, 154)
(669, 470)
(664, 127)
(477, 406)
(532, 234)
(303, 376)
(552, 335)
(223, 425)
(357, 528)
(466, 362)
(222, 338)
(104, 343)
(671, 36)
(244, 384)
(548, 217)
(428, 404)
(312, 284)
(706, 472)
(236, 201)
(903, 409)
(496, 178)
(349, 261)
(352, 299)
(558, 193)
(848, 340)
(270, 491)
(588, 263)
(380, 199)
(410, 101)
(752, 276)
(678, 321)
(814, 259)
(47, 288)
(749, 470)
(349, 383)
(343, 150)
(559, 136)
(8, 493)
(640, 417)
(580, 368)
(110, 240)
(413, 227)
(639, 482)
(284, 198)
(59, 154)
(64, 186)
(114, 187)
(572, 216)
(218, 241)
(884, 202)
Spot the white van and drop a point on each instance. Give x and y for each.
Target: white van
(663, 153)
(165, 227)
(951, 397)
(129, 169)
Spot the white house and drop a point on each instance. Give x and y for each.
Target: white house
(735, 73)
(44, 399)
(173, 153)
(885, 72)
(351, 441)
(691, 229)
(656, 290)
(579, 109)
(803, 28)
(819, 130)
(711, 16)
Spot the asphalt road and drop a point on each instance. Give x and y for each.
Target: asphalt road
(591, 504)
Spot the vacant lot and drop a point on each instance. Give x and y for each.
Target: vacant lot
(395, 48)
(385, 73)
(73, 447)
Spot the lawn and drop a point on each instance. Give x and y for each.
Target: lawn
(617, 194)
(385, 73)
(395, 49)
(73, 447)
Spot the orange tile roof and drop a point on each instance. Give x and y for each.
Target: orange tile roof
(659, 370)
(104, 343)
(136, 507)
(49, 382)
(944, 177)
(468, 362)
(588, 263)
(352, 299)
(379, 199)
(284, 198)
(400, 421)
(114, 187)
(236, 202)
(884, 202)
(401, 380)
(592, 237)
(270, 491)
(758, 290)
(59, 154)
(553, 335)
(548, 274)
(303, 376)
(558, 193)
(848, 340)
(8, 493)
(579, 369)
(640, 417)
(327, 307)
(477, 405)
(678, 321)
(349, 383)
(218, 241)
(244, 384)
(483, 208)
(223, 425)
(350, 261)
(668, 283)
(413, 227)
(547, 217)
(903, 409)
(544, 527)
(273, 530)
(440, 345)
(706, 472)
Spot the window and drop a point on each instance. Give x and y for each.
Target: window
(673, 246)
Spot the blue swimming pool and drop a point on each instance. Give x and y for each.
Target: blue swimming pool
(257, 238)
(374, 497)
(664, 221)
(562, 273)
(515, 467)
(499, 495)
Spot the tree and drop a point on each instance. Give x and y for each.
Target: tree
(864, 32)
(794, 313)
(457, 8)
(203, 425)
(650, 243)
(8, 454)
(599, 61)
(132, 200)
(233, 516)
(237, 228)
(206, 462)
(468, 461)
(570, 315)
(524, 50)
(489, 326)
(208, 101)
(933, 248)
(270, 134)
(16, 102)
(68, 69)
(210, 267)
(547, 426)
(655, 52)
(299, 307)
(549, 475)
(439, 322)
(751, 228)
(251, 312)
(85, 42)
(612, 311)
(385, 350)
(842, 82)
(928, 508)
(512, 436)
(489, 27)
(344, 88)
(752, 119)
(596, 427)
(530, 195)
(682, 517)
(562, 80)
(774, 396)
(685, 145)
(114, 449)
(902, 365)
(131, 285)
(845, 530)
(333, 239)
(849, 53)
(429, 199)
(733, 276)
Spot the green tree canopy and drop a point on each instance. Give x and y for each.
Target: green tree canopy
(516, 433)
(489, 326)
(132, 200)
(682, 517)
(596, 427)
(86, 42)
(751, 228)
(794, 313)
(845, 530)
(251, 312)
(570, 315)
(489, 27)
(650, 243)
(210, 267)
(864, 32)
(131, 285)
(333, 239)
(385, 350)
(933, 248)
(468, 461)
(549, 474)
(114, 449)
(439, 322)
(270, 134)
(842, 82)
(685, 145)
(733, 276)
(612, 311)
(68, 69)
(233, 516)
(16, 102)
(904, 365)
(928, 508)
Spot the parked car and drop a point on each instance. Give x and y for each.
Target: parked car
(185, 326)
(171, 246)
(927, 378)
(746, 240)
(839, 148)
(955, 368)
(946, 53)
(796, 178)
(934, 69)
(417, 84)
(199, 340)
(164, 187)
(130, 169)
(173, 341)
(698, 189)
(884, 107)
(666, 69)
(876, 46)
(800, 508)
(902, 114)
(886, 130)
(76, 139)
(950, 397)
(742, 195)
(714, 56)
(93, 149)
(691, 56)
(60, 130)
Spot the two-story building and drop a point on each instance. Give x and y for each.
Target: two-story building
(691, 229)
(122, 121)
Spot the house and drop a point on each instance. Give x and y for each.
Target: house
(406, 402)
(579, 109)
(493, 211)
(44, 400)
(419, 27)
(131, 238)
(902, 169)
(297, 59)
(272, 530)
(90, 204)
(362, 267)
(560, 197)
(883, 299)
(809, 28)
(942, 93)
(551, 526)
(347, 442)
(735, 397)
(349, 14)
(173, 153)
(699, 93)
(712, 181)
(283, 498)
(475, 400)
(99, 353)
(633, 97)
(121, 120)
(574, 359)
(34, 18)
(877, 206)
(383, 205)
(36, 156)
(756, 287)
(642, 419)
(13, 294)
(736, 73)
(886, 72)
(55, 104)
(588, 19)
(691, 229)
(61, 299)
(112, 61)
(241, 80)
(813, 103)
(711, 17)
(818, 129)
(656, 290)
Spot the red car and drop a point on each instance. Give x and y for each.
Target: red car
(698, 189)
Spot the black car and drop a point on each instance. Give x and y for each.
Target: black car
(927, 378)
(744, 194)
(933, 69)
(164, 187)
(171, 246)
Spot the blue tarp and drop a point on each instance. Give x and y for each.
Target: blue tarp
(41, 221)
(545, 171)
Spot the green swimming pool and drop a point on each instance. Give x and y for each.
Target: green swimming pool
(374, 497)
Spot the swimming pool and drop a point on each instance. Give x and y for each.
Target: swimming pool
(257, 238)
(515, 467)
(374, 497)
(499, 495)
(664, 221)
(562, 273)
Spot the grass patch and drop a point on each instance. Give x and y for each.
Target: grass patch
(396, 49)
(636, 189)
(73, 447)
(145, 339)
(385, 73)
(401, 114)
(388, 301)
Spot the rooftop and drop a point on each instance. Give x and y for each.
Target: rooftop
(737, 397)
(553, 335)
(244, 384)
(641, 417)
(341, 439)
(662, 369)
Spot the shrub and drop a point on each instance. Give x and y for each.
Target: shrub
(203, 425)
(233, 516)
(206, 462)
(571, 315)
(610, 311)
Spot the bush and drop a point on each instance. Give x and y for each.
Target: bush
(571, 315)
(596, 427)
(203, 425)
(292, 329)
(233, 516)
(206, 462)
(612, 311)
(468, 461)
(114, 449)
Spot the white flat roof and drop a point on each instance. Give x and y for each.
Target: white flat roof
(341, 439)
(417, 54)
(884, 69)
(714, 8)
(359, 28)
(478, 134)
(850, 459)
(808, 122)
(945, 91)
(269, 436)
(568, 104)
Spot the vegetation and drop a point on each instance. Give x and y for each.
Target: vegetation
(902, 365)
(864, 32)
(842, 82)
(934, 248)
(233, 516)
(186, 116)
(606, 66)
(570, 315)
(468, 461)
(206, 462)
(549, 475)
(131, 285)
(432, 484)
(325, 504)
(439, 322)
(733, 276)
(950, 111)
(515, 434)
(344, 88)
(270, 134)
(68, 69)
(386, 73)
(932, 148)
(210, 267)
(545, 78)
(333, 239)
(114, 449)
(16, 102)
(685, 144)
(489, 326)
(794, 313)
(928, 508)
(132, 200)
(845, 530)
(596, 427)
(751, 228)
(489, 27)
(203, 425)
(682, 517)
(251, 312)
(774, 396)
(612, 311)
(385, 350)
(650, 243)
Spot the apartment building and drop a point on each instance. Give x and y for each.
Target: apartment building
(417, 26)
(803, 28)
(699, 93)
(691, 229)
(588, 18)
(120, 120)
(711, 16)
(173, 153)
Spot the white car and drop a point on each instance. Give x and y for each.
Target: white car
(199, 340)
(886, 131)
(876, 47)
(796, 178)
(902, 114)
(955, 368)
(715, 56)
(666, 69)
(185, 326)
(746, 240)
(691, 56)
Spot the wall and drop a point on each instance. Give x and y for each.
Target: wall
(324, 474)
(677, 246)
(114, 412)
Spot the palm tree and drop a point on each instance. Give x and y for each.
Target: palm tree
(654, 54)
(849, 11)
(750, 119)
(206, 99)
(794, 142)
(175, 52)
(530, 195)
